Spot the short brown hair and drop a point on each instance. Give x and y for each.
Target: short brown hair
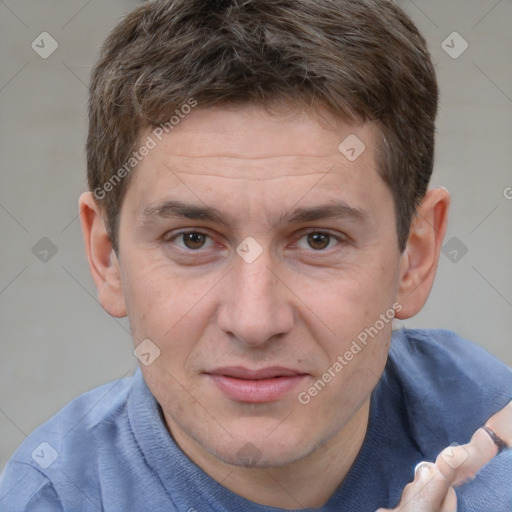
(361, 58)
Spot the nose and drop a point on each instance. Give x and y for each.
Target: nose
(256, 303)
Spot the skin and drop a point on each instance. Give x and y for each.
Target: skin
(295, 306)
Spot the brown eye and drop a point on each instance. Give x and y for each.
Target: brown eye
(318, 241)
(193, 240)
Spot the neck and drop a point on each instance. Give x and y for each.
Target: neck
(308, 483)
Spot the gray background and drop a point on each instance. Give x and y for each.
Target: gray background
(56, 341)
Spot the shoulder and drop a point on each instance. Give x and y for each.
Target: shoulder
(446, 386)
(71, 442)
(442, 346)
(449, 367)
(25, 489)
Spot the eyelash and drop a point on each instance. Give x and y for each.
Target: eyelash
(340, 239)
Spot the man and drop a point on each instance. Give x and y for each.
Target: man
(259, 209)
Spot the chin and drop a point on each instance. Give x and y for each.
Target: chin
(262, 452)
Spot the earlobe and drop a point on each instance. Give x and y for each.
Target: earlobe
(102, 259)
(419, 261)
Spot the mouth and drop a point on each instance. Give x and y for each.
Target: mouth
(256, 386)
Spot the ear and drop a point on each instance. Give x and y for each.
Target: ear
(418, 263)
(102, 259)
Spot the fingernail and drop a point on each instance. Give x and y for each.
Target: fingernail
(422, 468)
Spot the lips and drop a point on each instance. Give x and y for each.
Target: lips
(239, 372)
(256, 386)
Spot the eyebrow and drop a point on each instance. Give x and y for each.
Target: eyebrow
(336, 209)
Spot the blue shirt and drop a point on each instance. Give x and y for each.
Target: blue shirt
(109, 450)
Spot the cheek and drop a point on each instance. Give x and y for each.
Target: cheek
(345, 383)
(356, 313)
(348, 304)
(160, 304)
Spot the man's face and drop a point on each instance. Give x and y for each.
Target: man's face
(280, 253)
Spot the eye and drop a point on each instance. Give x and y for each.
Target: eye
(319, 241)
(190, 240)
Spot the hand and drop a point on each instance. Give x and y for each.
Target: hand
(432, 489)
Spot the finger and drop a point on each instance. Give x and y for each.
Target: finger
(461, 463)
(427, 492)
(450, 502)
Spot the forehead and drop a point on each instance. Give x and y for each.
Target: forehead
(251, 132)
(247, 152)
